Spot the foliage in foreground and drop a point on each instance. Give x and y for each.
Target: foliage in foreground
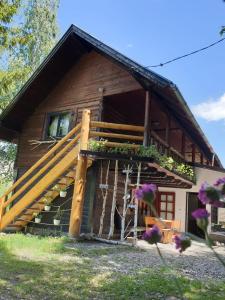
(42, 268)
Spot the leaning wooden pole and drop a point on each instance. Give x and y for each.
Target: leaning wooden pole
(111, 229)
(80, 178)
(136, 204)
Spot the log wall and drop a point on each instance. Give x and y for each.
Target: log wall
(80, 88)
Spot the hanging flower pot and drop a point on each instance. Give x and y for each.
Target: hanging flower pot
(37, 217)
(57, 217)
(56, 222)
(47, 207)
(63, 193)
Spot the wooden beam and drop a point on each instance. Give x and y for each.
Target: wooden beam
(146, 120)
(80, 178)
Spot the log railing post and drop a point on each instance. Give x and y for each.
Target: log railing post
(2, 200)
(80, 178)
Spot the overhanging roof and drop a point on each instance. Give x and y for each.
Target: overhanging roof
(68, 50)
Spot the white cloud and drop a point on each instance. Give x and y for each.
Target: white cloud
(130, 45)
(211, 110)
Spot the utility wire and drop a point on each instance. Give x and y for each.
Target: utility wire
(185, 55)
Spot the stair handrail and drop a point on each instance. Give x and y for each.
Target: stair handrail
(40, 161)
(41, 171)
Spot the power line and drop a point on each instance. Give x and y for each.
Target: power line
(185, 55)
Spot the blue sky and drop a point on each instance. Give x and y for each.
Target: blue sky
(153, 31)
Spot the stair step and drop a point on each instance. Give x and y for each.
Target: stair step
(14, 225)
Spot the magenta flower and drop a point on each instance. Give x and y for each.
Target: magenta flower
(220, 183)
(182, 242)
(201, 215)
(153, 235)
(146, 193)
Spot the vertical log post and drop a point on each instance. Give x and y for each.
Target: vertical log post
(2, 200)
(136, 205)
(80, 178)
(146, 121)
(193, 153)
(183, 144)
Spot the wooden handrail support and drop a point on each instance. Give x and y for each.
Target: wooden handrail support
(41, 160)
(80, 179)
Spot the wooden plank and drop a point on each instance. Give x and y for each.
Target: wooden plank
(116, 135)
(40, 187)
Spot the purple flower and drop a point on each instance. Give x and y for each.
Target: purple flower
(182, 242)
(146, 193)
(201, 215)
(153, 235)
(208, 194)
(220, 181)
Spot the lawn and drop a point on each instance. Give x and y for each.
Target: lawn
(44, 268)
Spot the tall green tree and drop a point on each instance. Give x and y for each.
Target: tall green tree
(28, 30)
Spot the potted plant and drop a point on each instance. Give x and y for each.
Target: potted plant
(63, 192)
(57, 217)
(47, 202)
(38, 217)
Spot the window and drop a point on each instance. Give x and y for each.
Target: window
(166, 205)
(58, 124)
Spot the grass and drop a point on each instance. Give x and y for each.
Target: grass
(43, 268)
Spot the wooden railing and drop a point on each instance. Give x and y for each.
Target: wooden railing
(48, 166)
(36, 172)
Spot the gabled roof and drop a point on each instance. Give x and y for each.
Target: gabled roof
(68, 50)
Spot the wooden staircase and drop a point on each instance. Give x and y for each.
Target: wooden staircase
(26, 196)
(63, 165)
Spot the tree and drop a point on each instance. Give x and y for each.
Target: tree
(28, 30)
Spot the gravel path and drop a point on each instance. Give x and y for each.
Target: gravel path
(196, 262)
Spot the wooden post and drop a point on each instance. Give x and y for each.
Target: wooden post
(183, 144)
(193, 153)
(80, 178)
(114, 198)
(146, 121)
(136, 204)
(2, 200)
(201, 159)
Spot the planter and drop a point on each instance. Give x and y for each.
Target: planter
(56, 222)
(47, 207)
(119, 156)
(37, 220)
(63, 194)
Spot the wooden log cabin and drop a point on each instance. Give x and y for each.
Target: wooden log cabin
(82, 93)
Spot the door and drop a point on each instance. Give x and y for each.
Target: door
(193, 203)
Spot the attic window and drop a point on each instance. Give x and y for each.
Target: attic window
(58, 124)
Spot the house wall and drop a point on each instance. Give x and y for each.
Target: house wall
(202, 175)
(79, 89)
